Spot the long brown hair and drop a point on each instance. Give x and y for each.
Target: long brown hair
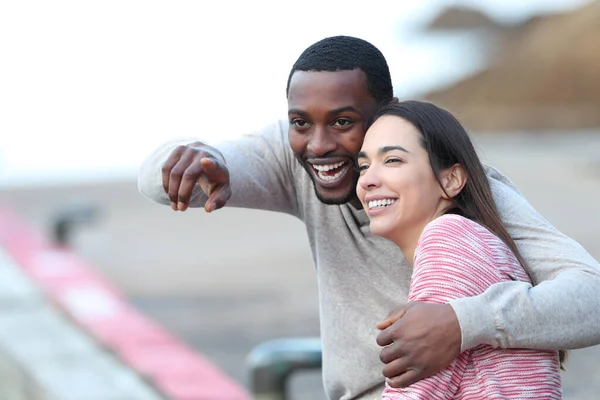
(447, 143)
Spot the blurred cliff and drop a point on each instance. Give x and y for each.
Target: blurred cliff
(543, 73)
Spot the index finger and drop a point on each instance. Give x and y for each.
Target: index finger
(391, 318)
(218, 198)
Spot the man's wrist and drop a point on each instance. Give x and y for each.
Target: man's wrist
(476, 320)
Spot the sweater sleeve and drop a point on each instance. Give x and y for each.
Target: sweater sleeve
(261, 168)
(561, 310)
(451, 261)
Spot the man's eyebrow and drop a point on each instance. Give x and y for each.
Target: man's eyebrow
(331, 112)
(296, 111)
(343, 109)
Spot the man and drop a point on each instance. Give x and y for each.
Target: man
(304, 167)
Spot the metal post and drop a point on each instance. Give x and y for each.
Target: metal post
(272, 362)
(66, 218)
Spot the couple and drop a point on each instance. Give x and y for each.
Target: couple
(305, 167)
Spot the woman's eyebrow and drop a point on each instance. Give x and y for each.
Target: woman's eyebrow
(382, 150)
(387, 149)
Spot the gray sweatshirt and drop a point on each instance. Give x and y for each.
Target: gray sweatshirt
(362, 278)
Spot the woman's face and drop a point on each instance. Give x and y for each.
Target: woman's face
(397, 187)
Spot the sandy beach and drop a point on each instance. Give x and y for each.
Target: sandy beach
(227, 281)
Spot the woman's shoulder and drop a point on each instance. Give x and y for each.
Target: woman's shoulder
(455, 245)
(456, 225)
(456, 232)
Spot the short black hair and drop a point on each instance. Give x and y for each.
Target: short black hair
(345, 53)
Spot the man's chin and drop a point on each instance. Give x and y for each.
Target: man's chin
(334, 197)
(342, 194)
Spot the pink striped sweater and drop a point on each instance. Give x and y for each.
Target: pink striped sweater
(456, 257)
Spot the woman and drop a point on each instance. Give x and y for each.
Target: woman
(425, 189)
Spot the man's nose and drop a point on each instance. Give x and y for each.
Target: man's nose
(321, 142)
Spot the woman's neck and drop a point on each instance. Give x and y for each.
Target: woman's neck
(407, 242)
(407, 238)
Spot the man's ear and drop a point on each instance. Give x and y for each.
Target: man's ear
(453, 180)
(394, 100)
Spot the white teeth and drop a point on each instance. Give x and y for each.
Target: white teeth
(380, 203)
(325, 168)
(321, 169)
(329, 178)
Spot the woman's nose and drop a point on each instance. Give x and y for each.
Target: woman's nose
(369, 179)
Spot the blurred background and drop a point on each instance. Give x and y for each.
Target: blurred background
(88, 89)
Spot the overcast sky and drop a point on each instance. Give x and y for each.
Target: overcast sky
(91, 87)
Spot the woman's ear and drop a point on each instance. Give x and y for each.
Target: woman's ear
(453, 181)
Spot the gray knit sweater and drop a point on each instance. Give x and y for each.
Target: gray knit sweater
(362, 278)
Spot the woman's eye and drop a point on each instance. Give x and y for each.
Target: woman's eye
(394, 160)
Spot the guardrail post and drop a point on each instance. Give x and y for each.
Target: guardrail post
(66, 218)
(272, 362)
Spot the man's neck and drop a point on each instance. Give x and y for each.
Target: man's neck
(355, 202)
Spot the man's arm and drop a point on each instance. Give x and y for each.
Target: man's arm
(561, 310)
(259, 165)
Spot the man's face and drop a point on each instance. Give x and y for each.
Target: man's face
(328, 112)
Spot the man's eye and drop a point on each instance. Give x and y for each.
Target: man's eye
(343, 122)
(298, 123)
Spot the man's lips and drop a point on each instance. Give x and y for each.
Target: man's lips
(327, 160)
(331, 171)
